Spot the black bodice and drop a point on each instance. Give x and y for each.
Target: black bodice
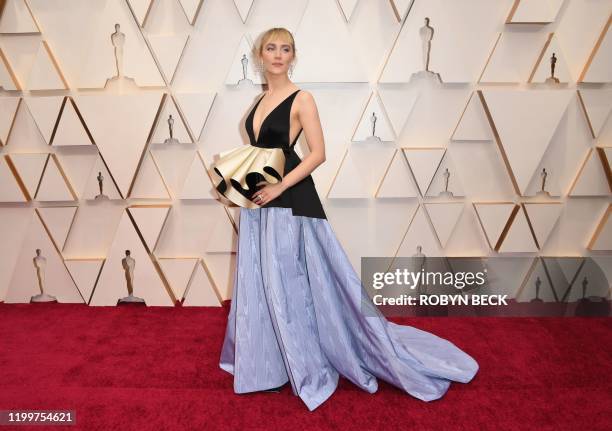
(274, 131)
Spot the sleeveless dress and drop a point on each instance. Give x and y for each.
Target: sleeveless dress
(299, 312)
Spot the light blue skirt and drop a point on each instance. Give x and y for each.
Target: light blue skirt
(296, 315)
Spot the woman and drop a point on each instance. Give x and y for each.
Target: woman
(296, 313)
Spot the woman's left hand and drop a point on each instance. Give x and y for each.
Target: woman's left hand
(267, 193)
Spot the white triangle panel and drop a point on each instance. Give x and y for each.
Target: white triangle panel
(168, 49)
(543, 217)
(173, 162)
(602, 239)
(399, 104)
(599, 68)
(149, 183)
(85, 273)
(543, 68)
(78, 164)
(349, 182)
(513, 58)
(201, 291)
(519, 237)
(191, 9)
(44, 74)
(17, 18)
(223, 238)
(8, 111)
(9, 187)
(70, 130)
(29, 167)
(45, 111)
(178, 272)
(58, 221)
(358, 174)
(347, 7)
(424, 162)
(8, 78)
(444, 217)
(597, 104)
(419, 233)
(374, 118)
(525, 122)
(591, 179)
(141, 9)
(473, 124)
(197, 184)
(342, 63)
(493, 218)
(397, 182)
(53, 185)
(195, 108)
(150, 221)
(243, 6)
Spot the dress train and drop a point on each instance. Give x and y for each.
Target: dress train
(298, 314)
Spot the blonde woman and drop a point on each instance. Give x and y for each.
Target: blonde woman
(296, 313)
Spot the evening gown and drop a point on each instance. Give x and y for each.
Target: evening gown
(299, 312)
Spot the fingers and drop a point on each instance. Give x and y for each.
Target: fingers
(259, 199)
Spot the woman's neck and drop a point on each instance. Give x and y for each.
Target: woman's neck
(277, 83)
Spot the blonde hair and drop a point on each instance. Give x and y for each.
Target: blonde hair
(274, 33)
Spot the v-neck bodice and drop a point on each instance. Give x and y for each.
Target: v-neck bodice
(241, 169)
(276, 126)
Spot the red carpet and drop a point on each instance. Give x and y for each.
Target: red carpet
(128, 368)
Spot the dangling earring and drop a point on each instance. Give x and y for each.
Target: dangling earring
(291, 69)
(260, 66)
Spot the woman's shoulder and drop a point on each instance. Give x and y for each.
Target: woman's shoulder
(304, 94)
(304, 98)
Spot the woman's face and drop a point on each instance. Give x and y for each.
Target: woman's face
(277, 56)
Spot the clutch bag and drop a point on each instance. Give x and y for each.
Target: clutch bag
(240, 169)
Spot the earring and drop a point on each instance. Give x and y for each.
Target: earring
(291, 69)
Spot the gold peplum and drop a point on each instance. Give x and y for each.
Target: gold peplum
(240, 169)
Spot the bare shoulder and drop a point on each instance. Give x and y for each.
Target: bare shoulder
(305, 96)
(306, 102)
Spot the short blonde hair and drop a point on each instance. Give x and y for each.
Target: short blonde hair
(274, 33)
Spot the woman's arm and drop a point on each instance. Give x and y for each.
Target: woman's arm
(309, 119)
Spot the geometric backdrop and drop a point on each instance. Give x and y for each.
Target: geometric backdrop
(456, 166)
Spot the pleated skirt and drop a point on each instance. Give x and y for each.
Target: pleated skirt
(300, 314)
